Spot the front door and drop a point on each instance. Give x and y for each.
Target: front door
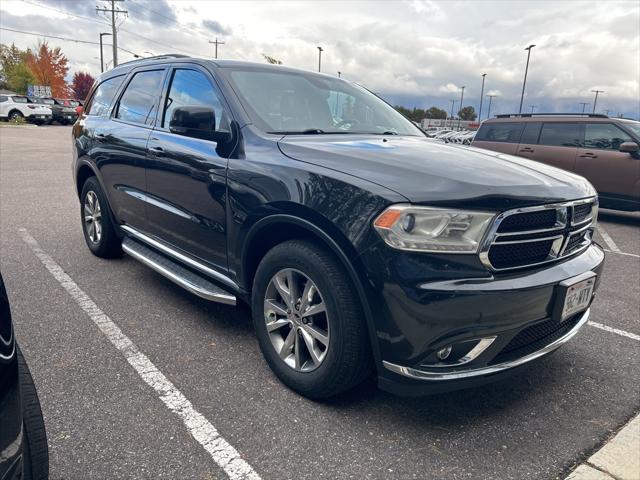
(186, 176)
(613, 173)
(558, 144)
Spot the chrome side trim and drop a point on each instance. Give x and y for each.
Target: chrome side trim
(474, 353)
(219, 297)
(477, 372)
(180, 257)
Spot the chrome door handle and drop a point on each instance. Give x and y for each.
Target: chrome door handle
(527, 150)
(589, 155)
(156, 149)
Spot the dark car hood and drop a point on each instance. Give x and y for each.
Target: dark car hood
(425, 171)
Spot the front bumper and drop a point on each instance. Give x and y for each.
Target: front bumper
(417, 318)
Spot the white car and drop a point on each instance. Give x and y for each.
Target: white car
(13, 107)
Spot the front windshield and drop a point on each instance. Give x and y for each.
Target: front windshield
(296, 102)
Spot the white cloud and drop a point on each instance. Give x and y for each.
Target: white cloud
(417, 52)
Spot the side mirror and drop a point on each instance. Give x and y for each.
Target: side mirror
(196, 122)
(629, 147)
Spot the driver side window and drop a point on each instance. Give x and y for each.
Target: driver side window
(191, 88)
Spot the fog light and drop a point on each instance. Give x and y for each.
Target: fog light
(444, 353)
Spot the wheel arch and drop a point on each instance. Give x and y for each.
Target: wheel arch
(281, 227)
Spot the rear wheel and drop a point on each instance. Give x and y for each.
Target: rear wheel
(309, 321)
(99, 231)
(15, 116)
(36, 451)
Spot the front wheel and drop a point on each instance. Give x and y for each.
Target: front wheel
(309, 321)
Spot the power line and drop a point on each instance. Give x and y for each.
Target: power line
(65, 12)
(88, 42)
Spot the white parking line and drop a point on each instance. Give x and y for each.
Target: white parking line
(607, 239)
(200, 428)
(617, 331)
(623, 253)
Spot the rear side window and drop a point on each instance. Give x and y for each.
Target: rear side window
(102, 97)
(20, 99)
(139, 101)
(3, 98)
(560, 134)
(604, 136)
(531, 133)
(508, 132)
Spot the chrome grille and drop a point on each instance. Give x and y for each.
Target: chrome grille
(531, 236)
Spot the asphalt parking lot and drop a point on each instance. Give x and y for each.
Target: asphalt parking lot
(105, 421)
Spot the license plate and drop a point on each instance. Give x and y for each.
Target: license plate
(575, 295)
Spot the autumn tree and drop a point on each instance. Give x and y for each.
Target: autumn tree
(14, 73)
(49, 67)
(81, 84)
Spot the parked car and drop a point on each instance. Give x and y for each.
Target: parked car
(361, 245)
(24, 454)
(14, 107)
(60, 113)
(604, 150)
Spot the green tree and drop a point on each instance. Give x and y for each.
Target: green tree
(435, 112)
(467, 113)
(14, 74)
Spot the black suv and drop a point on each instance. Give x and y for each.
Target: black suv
(360, 244)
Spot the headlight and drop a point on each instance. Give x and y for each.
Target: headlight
(426, 229)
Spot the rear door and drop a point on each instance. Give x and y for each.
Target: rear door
(558, 144)
(529, 140)
(499, 136)
(186, 176)
(613, 173)
(123, 142)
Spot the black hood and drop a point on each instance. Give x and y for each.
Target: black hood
(426, 171)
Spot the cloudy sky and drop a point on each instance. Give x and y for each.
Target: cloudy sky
(414, 53)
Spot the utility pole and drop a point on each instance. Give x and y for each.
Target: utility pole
(584, 105)
(113, 11)
(596, 99)
(461, 98)
(526, 69)
(101, 55)
(320, 50)
(481, 96)
(490, 98)
(216, 43)
(533, 107)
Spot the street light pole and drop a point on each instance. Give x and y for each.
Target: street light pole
(461, 98)
(101, 54)
(526, 69)
(533, 107)
(320, 50)
(453, 102)
(596, 99)
(584, 105)
(489, 110)
(481, 96)
(339, 74)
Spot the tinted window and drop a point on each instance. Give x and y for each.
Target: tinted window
(20, 99)
(190, 88)
(560, 134)
(3, 98)
(500, 132)
(531, 133)
(102, 97)
(604, 136)
(139, 101)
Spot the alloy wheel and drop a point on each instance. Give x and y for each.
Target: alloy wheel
(92, 217)
(297, 320)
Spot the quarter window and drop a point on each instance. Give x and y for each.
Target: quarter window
(139, 101)
(508, 132)
(560, 134)
(604, 136)
(103, 96)
(190, 88)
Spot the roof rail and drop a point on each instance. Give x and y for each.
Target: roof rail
(510, 115)
(156, 57)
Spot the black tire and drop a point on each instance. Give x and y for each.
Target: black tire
(15, 115)
(109, 244)
(36, 451)
(348, 360)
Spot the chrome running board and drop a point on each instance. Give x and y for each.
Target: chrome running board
(477, 372)
(194, 283)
